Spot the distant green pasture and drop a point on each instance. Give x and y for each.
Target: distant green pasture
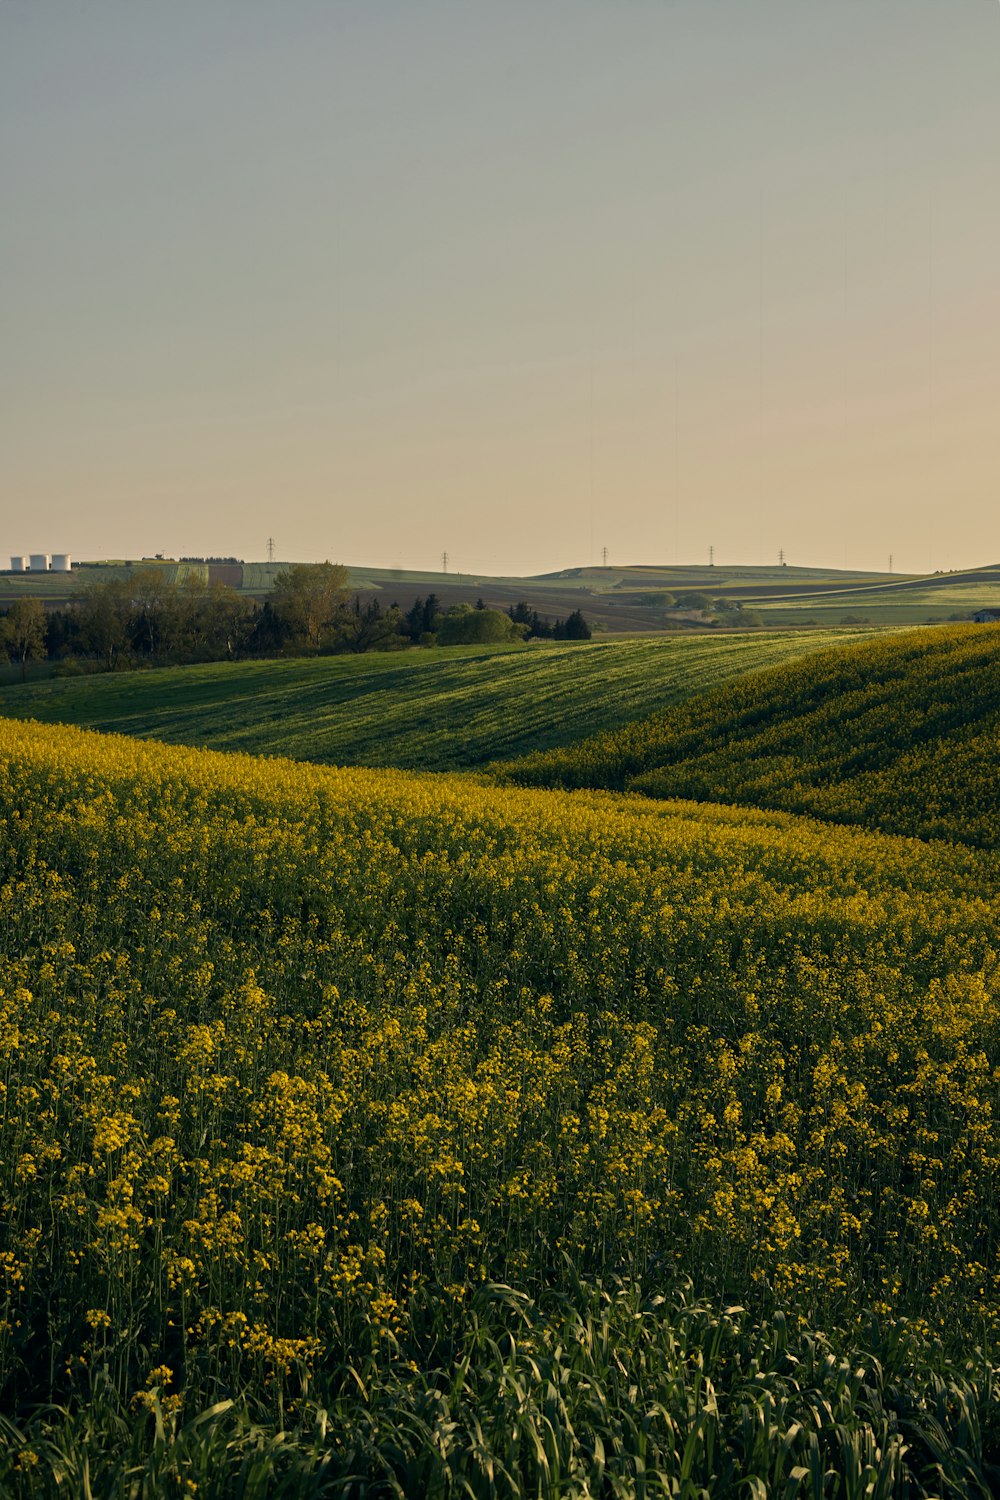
(905, 606)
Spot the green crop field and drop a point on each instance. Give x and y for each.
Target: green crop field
(899, 733)
(439, 708)
(890, 600)
(910, 606)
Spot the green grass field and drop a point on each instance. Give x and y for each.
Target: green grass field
(910, 605)
(898, 733)
(431, 709)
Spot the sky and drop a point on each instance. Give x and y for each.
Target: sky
(515, 280)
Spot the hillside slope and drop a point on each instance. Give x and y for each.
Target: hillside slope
(436, 709)
(899, 733)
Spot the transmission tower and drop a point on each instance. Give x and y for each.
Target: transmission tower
(711, 557)
(781, 556)
(890, 562)
(270, 549)
(604, 557)
(444, 562)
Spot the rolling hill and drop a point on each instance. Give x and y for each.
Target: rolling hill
(899, 733)
(434, 709)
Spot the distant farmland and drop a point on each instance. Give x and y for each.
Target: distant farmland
(618, 600)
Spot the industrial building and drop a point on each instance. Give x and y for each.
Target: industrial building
(42, 562)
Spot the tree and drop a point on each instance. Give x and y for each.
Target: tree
(433, 614)
(308, 598)
(414, 619)
(23, 632)
(269, 631)
(694, 600)
(573, 628)
(211, 623)
(368, 627)
(62, 632)
(423, 618)
(463, 626)
(523, 614)
(732, 612)
(105, 611)
(154, 600)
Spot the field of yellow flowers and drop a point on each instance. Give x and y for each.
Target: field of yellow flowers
(302, 1070)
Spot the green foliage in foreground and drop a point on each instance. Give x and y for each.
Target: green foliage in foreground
(435, 709)
(898, 733)
(575, 1397)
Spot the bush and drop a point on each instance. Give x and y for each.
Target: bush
(463, 626)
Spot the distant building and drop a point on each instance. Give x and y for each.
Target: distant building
(986, 616)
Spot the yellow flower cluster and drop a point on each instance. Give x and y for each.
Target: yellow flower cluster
(291, 1059)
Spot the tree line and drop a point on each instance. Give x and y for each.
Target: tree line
(146, 618)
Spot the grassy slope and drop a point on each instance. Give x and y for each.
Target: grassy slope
(428, 709)
(899, 733)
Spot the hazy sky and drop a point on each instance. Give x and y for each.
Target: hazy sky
(515, 279)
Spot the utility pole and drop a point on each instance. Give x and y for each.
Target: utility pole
(444, 562)
(270, 549)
